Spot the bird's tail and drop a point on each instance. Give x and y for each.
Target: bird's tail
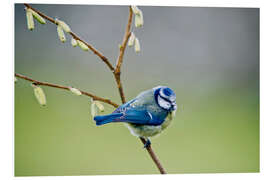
(100, 120)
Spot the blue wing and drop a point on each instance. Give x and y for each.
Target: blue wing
(123, 107)
(142, 117)
(126, 113)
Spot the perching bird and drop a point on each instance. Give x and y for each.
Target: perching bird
(147, 114)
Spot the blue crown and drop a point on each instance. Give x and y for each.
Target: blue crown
(165, 92)
(168, 92)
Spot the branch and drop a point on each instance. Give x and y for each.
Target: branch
(97, 98)
(117, 75)
(117, 71)
(124, 43)
(95, 51)
(154, 157)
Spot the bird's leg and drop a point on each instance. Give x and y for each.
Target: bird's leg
(147, 143)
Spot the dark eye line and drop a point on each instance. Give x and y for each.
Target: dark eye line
(165, 99)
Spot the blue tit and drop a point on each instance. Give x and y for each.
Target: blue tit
(146, 115)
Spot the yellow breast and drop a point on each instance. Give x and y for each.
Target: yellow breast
(168, 120)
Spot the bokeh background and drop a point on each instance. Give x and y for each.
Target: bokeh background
(209, 56)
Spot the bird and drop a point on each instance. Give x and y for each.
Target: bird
(147, 115)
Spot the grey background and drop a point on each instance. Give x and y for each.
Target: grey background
(209, 56)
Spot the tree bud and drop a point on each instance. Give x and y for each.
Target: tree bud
(75, 91)
(139, 19)
(99, 105)
(65, 27)
(137, 46)
(61, 34)
(40, 19)
(39, 94)
(131, 40)
(82, 45)
(74, 43)
(30, 20)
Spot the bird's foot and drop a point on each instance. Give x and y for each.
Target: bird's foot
(147, 143)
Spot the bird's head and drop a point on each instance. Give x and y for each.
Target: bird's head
(165, 98)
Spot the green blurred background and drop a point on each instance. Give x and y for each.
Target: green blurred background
(209, 56)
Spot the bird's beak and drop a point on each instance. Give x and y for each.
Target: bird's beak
(174, 107)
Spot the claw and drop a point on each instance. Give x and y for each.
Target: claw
(147, 143)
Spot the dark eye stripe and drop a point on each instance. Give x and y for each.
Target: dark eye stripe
(165, 99)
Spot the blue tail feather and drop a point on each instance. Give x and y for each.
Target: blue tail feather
(100, 120)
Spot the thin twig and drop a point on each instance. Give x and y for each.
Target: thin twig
(117, 75)
(95, 51)
(97, 98)
(124, 43)
(154, 157)
(119, 61)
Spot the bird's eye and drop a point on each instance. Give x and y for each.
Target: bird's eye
(163, 103)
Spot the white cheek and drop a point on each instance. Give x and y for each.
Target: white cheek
(161, 93)
(164, 104)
